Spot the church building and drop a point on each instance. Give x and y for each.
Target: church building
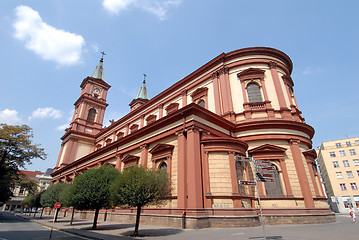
(239, 104)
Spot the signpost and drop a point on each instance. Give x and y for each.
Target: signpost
(263, 170)
(57, 206)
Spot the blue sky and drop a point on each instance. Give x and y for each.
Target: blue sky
(49, 47)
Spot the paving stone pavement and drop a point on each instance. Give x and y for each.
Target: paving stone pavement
(342, 229)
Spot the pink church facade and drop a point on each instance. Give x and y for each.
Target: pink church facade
(240, 103)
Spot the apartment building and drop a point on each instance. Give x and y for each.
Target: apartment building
(339, 164)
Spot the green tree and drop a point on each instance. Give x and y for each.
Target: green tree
(91, 190)
(138, 187)
(66, 199)
(52, 195)
(33, 201)
(16, 149)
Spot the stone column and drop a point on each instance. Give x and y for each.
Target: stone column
(118, 161)
(217, 98)
(279, 91)
(144, 155)
(311, 172)
(225, 90)
(184, 98)
(232, 168)
(194, 173)
(302, 176)
(283, 167)
(206, 183)
(181, 171)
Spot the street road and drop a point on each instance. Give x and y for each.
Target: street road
(16, 228)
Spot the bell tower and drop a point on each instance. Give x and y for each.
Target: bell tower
(87, 119)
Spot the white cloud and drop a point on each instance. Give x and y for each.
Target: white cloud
(47, 112)
(307, 71)
(159, 8)
(62, 127)
(69, 119)
(10, 117)
(46, 41)
(310, 71)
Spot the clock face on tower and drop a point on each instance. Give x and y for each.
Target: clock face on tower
(96, 91)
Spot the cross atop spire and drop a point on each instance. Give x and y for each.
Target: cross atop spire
(103, 53)
(144, 77)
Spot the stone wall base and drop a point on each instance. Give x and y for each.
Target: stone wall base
(197, 222)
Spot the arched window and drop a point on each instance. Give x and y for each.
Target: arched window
(254, 92)
(163, 166)
(91, 115)
(202, 103)
(274, 189)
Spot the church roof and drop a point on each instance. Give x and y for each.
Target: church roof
(99, 73)
(143, 91)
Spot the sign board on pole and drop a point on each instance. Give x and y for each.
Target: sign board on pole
(243, 159)
(248, 183)
(57, 205)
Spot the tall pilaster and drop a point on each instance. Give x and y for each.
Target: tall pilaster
(302, 176)
(194, 175)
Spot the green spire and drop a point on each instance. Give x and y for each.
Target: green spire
(142, 94)
(99, 73)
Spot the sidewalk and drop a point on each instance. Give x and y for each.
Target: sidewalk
(105, 230)
(343, 228)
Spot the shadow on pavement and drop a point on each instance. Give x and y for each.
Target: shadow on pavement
(110, 227)
(153, 232)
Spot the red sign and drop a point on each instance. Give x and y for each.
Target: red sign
(57, 205)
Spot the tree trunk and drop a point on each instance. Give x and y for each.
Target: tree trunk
(42, 210)
(35, 212)
(95, 219)
(138, 215)
(72, 216)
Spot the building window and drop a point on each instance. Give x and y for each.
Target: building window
(342, 186)
(352, 152)
(163, 166)
(274, 189)
(353, 186)
(358, 172)
(346, 163)
(332, 154)
(350, 174)
(91, 115)
(339, 174)
(342, 153)
(254, 92)
(356, 162)
(348, 144)
(202, 103)
(335, 164)
(338, 145)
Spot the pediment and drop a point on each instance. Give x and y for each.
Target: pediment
(130, 158)
(267, 148)
(199, 92)
(251, 73)
(161, 148)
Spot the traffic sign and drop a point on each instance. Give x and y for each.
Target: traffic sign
(248, 183)
(265, 177)
(57, 205)
(262, 162)
(243, 159)
(270, 168)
